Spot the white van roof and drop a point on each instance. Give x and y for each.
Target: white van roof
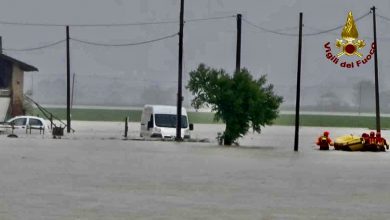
(166, 109)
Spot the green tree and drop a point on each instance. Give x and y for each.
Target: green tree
(239, 101)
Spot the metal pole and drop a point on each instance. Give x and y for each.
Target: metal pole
(180, 75)
(238, 50)
(51, 121)
(296, 140)
(126, 126)
(377, 106)
(68, 123)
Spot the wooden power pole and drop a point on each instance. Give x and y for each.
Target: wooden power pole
(180, 74)
(377, 106)
(238, 49)
(297, 105)
(68, 121)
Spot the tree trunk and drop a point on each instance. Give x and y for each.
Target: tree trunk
(227, 141)
(227, 137)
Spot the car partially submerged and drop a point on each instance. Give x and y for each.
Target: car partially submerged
(24, 122)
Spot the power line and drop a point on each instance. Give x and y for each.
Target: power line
(111, 24)
(124, 24)
(37, 48)
(287, 28)
(383, 17)
(89, 42)
(123, 45)
(339, 34)
(278, 32)
(121, 78)
(210, 18)
(29, 24)
(86, 25)
(268, 30)
(335, 28)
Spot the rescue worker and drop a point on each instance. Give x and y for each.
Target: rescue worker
(365, 140)
(372, 142)
(324, 141)
(381, 142)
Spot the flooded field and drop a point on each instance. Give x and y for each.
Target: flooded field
(95, 174)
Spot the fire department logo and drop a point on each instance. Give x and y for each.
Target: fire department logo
(350, 44)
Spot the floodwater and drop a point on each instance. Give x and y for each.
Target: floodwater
(95, 174)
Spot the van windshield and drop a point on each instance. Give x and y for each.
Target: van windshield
(169, 121)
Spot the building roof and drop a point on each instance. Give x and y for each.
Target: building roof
(23, 66)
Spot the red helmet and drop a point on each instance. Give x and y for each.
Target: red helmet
(326, 133)
(378, 134)
(372, 134)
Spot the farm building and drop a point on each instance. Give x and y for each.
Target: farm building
(11, 85)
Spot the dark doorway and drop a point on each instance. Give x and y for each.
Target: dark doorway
(5, 74)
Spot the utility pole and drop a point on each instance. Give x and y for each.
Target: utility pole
(238, 50)
(377, 106)
(68, 123)
(297, 105)
(180, 75)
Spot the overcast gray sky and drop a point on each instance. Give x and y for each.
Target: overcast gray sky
(136, 75)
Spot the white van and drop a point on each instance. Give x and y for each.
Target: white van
(159, 121)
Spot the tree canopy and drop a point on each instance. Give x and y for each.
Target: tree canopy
(238, 100)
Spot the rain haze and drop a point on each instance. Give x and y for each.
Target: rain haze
(110, 75)
(124, 53)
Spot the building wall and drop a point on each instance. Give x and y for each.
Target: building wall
(17, 91)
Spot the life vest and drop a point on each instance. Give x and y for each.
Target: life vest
(324, 141)
(372, 140)
(380, 142)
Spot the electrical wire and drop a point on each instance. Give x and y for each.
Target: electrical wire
(268, 30)
(36, 48)
(112, 24)
(86, 25)
(30, 24)
(278, 32)
(336, 28)
(339, 35)
(208, 19)
(123, 45)
(383, 17)
(89, 42)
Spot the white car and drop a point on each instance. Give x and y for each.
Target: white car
(24, 122)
